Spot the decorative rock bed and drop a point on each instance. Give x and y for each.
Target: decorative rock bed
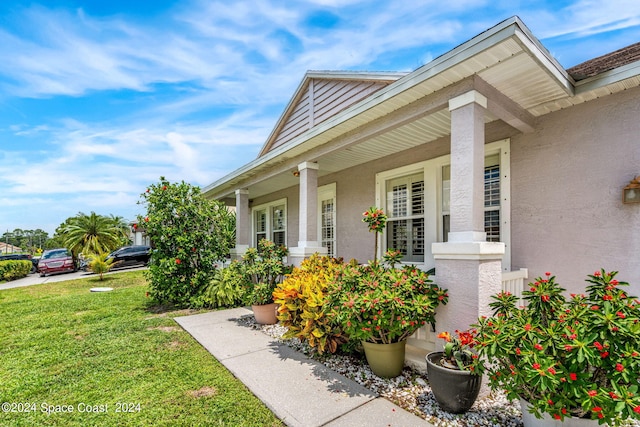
(410, 390)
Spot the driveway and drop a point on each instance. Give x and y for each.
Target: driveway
(35, 279)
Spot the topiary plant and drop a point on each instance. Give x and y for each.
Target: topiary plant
(301, 298)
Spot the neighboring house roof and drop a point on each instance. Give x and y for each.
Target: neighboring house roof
(5, 248)
(506, 63)
(610, 61)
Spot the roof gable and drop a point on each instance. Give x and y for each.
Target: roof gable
(320, 96)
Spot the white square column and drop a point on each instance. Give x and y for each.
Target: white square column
(243, 224)
(307, 215)
(467, 265)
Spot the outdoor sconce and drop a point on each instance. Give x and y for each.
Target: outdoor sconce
(296, 173)
(631, 193)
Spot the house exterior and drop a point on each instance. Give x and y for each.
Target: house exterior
(6, 248)
(489, 159)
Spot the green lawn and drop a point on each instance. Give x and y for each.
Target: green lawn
(64, 348)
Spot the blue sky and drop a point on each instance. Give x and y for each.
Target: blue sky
(98, 99)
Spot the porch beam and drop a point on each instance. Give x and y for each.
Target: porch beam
(504, 108)
(422, 107)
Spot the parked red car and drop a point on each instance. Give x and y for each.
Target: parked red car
(56, 261)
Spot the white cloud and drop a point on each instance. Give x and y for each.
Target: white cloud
(230, 68)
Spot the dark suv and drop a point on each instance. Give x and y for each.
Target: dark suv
(130, 255)
(18, 257)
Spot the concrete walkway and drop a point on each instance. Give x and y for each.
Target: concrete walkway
(299, 390)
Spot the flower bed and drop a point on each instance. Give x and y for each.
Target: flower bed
(410, 390)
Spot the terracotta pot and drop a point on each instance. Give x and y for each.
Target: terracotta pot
(530, 420)
(455, 390)
(265, 314)
(385, 360)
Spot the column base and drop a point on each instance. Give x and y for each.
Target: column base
(300, 253)
(238, 252)
(472, 273)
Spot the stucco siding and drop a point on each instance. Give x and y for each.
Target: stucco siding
(567, 179)
(292, 196)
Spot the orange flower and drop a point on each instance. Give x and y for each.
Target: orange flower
(445, 335)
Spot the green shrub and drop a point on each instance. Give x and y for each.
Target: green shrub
(263, 269)
(227, 288)
(99, 263)
(379, 303)
(189, 235)
(302, 298)
(14, 269)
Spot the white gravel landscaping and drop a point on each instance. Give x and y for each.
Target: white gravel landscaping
(410, 390)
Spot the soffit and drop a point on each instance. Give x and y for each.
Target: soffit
(509, 59)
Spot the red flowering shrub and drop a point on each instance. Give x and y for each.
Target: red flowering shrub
(458, 351)
(189, 234)
(575, 357)
(382, 304)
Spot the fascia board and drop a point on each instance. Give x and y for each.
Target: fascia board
(512, 27)
(608, 77)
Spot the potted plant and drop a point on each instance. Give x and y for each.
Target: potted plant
(451, 374)
(263, 269)
(576, 358)
(381, 306)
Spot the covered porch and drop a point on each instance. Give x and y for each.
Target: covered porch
(352, 135)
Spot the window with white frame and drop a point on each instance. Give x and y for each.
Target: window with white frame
(327, 216)
(405, 211)
(270, 222)
(491, 198)
(417, 200)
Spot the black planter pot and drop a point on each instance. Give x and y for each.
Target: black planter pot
(455, 390)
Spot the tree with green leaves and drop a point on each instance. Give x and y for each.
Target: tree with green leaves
(189, 234)
(92, 234)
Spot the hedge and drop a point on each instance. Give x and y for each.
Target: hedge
(14, 269)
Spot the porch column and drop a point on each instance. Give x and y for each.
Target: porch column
(307, 215)
(467, 265)
(243, 223)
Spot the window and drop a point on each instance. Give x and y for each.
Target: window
(270, 222)
(416, 198)
(405, 209)
(260, 224)
(278, 225)
(492, 202)
(327, 216)
(491, 199)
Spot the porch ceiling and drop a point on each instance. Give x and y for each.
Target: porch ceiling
(507, 58)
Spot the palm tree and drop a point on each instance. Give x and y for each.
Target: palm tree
(123, 227)
(99, 263)
(92, 234)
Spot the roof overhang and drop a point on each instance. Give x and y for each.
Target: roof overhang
(506, 63)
